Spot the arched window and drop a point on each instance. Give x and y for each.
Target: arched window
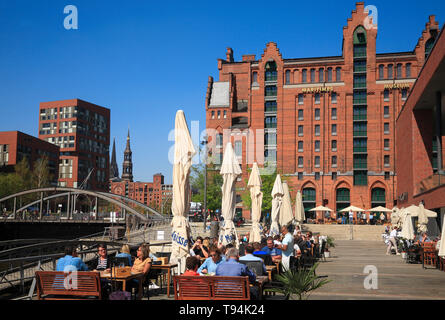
(329, 75)
(399, 71)
(287, 80)
(429, 46)
(381, 71)
(312, 75)
(390, 71)
(378, 197)
(309, 201)
(408, 70)
(320, 75)
(271, 71)
(338, 74)
(304, 75)
(343, 198)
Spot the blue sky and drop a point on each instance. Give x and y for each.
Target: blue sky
(146, 59)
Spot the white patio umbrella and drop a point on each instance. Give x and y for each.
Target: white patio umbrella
(414, 211)
(379, 209)
(285, 215)
(422, 219)
(352, 208)
(254, 184)
(184, 152)
(299, 209)
(277, 194)
(442, 242)
(407, 228)
(230, 170)
(395, 216)
(321, 208)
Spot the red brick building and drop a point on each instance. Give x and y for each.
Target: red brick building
(82, 131)
(420, 136)
(327, 124)
(16, 145)
(155, 194)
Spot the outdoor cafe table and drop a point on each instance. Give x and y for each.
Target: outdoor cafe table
(134, 275)
(169, 268)
(269, 270)
(259, 282)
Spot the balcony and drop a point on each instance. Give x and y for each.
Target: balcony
(360, 165)
(360, 149)
(360, 117)
(361, 133)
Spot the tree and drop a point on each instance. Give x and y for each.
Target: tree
(40, 174)
(214, 184)
(267, 182)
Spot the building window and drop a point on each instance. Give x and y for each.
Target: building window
(287, 76)
(317, 114)
(312, 75)
(255, 78)
(317, 145)
(300, 114)
(300, 146)
(300, 162)
(300, 175)
(334, 176)
(317, 130)
(390, 71)
(381, 71)
(334, 97)
(386, 111)
(213, 114)
(386, 128)
(387, 175)
(270, 122)
(271, 106)
(300, 131)
(317, 175)
(386, 160)
(399, 71)
(334, 161)
(360, 178)
(304, 75)
(334, 130)
(300, 99)
(270, 138)
(386, 95)
(404, 94)
(334, 113)
(317, 161)
(408, 70)
(271, 91)
(386, 144)
(271, 71)
(219, 114)
(317, 98)
(338, 74)
(360, 145)
(334, 145)
(225, 114)
(320, 75)
(219, 140)
(329, 75)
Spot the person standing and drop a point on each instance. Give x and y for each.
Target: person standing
(392, 242)
(286, 247)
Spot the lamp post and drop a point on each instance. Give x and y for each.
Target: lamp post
(204, 143)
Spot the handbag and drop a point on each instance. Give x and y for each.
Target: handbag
(117, 294)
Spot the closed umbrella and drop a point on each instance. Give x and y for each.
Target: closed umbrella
(285, 217)
(277, 194)
(422, 219)
(254, 184)
(299, 209)
(402, 213)
(407, 227)
(442, 241)
(395, 216)
(230, 170)
(184, 152)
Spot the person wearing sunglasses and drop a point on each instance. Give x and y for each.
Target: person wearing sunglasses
(211, 263)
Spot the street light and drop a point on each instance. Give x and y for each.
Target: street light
(204, 143)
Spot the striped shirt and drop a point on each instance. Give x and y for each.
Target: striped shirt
(102, 264)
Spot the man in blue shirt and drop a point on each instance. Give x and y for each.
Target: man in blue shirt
(232, 268)
(70, 260)
(270, 249)
(250, 257)
(210, 264)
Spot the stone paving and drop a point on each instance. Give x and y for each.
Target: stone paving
(396, 278)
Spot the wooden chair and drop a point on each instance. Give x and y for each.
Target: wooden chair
(56, 285)
(429, 254)
(211, 288)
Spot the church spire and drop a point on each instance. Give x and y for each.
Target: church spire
(114, 170)
(127, 167)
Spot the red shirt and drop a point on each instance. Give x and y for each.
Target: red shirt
(190, 273)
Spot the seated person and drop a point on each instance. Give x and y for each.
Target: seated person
(192, 264)
(257, 249)
(125, 253)
(250, 257)
(143, 262)
(199, 249)
(297, 250)
(274, 252)
(210, 264)
(232, 268)
(104, 261)
(70, 261)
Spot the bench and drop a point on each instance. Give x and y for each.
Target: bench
(211, 288)
(51, 285)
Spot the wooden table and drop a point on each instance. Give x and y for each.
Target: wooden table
(259, 282)
(139, 276)
(169, 268)
(269, 270)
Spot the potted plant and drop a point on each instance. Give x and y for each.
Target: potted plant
(299, 284)
(329, 244)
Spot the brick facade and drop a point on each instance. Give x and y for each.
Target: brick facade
(264, 99)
